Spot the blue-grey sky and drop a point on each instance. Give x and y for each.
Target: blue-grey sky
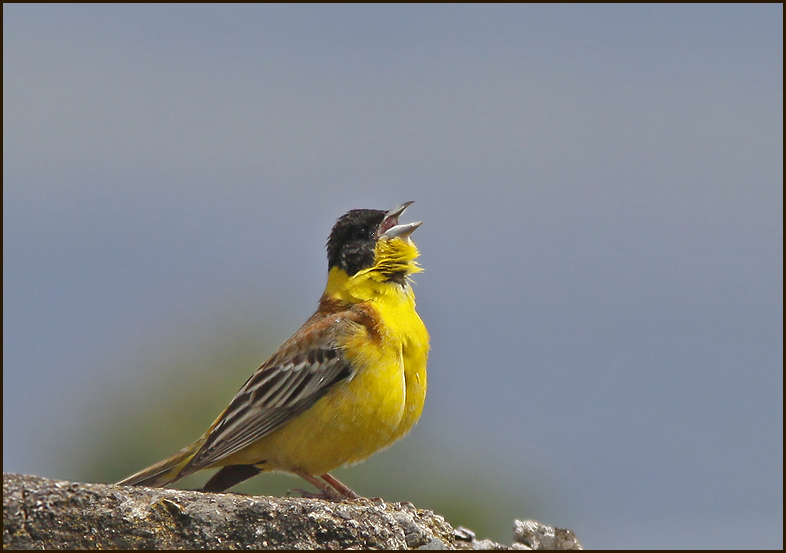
(601, 188)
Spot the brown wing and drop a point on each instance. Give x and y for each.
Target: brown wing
(298, 374)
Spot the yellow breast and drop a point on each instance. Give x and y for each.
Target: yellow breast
(385, 396)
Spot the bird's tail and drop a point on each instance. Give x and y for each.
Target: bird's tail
(164, 472)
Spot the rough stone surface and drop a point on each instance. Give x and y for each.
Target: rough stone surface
(539, 536)
(39, 513)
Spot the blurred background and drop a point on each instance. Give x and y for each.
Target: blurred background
(601, 188)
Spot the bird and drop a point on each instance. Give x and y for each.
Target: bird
(350, 382)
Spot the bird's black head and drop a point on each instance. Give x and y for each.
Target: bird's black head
(350, 246)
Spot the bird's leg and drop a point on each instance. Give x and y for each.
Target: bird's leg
(339, 487)
(327, 491)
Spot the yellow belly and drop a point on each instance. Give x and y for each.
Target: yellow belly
(358, 417)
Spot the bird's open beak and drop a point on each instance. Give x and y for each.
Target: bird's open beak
(389, 228)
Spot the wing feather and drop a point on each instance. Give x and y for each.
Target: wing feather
(301, 371)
